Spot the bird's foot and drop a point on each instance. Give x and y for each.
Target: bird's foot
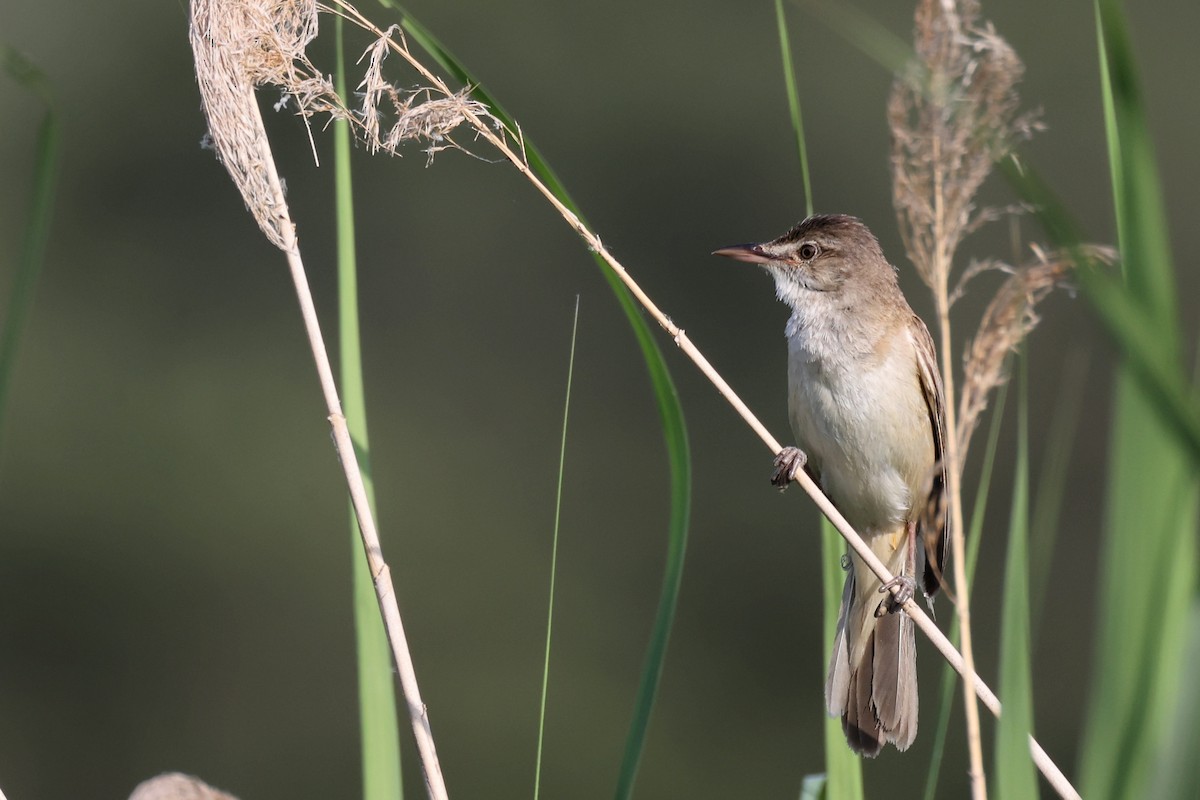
(906, 591)
(788, 464)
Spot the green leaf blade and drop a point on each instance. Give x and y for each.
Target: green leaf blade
(379, 725)
(1016, 778)
(843, 769)
(666, 400)
(1148, 563)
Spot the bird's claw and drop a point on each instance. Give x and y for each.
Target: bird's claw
(907, 590)
(788, 464)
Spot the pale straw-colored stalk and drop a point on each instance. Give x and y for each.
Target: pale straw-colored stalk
(952, 114)
(237, 46)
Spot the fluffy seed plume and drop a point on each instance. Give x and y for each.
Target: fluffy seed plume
(1008, 319)
(952, 114)
(239, 45)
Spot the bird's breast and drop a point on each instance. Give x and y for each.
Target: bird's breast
(865, 427)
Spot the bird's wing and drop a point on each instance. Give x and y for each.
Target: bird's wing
(933, 524)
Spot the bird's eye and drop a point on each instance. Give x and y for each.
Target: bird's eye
(808, 251)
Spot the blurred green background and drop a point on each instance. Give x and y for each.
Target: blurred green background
(174, 559)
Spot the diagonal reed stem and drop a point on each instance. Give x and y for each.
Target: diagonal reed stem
(382, 576)
(1049, 769)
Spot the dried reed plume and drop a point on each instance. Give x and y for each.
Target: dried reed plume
(239, 46)
(953, 114)
(1009, 318)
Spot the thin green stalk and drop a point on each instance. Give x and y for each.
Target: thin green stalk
(974, 537)
(843, 769)
(378, 724)
(1015, 775)
(862, 30)
(562, 459)
(37, 227)
(1052, 479)
(793, 98)
(1177, 770)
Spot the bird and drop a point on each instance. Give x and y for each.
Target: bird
(867, 409)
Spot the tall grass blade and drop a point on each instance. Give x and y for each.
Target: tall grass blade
(562, 458)
(1015, 775)
(1141, 225)
(843, 769)
(669, 409)
(1052, 479)
(793, 97)
(813, 787)
(1151, 489)
(37, 226)
(1149, 554)
(1155, 364)
(1177, 773)
(974, 537)
(378, 724)
(1131, 325)
(863, 31)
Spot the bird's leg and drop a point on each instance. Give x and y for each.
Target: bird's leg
(788, 464)
(904, 583)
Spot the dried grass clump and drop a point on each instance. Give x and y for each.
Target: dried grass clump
(240, 45)
(416, 114)
(237, 47)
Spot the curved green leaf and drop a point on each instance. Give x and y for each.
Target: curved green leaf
(669, 409)
(1148, 564)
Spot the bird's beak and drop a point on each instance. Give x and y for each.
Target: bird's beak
(750, 253)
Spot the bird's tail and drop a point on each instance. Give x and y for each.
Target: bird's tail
(872, 683)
